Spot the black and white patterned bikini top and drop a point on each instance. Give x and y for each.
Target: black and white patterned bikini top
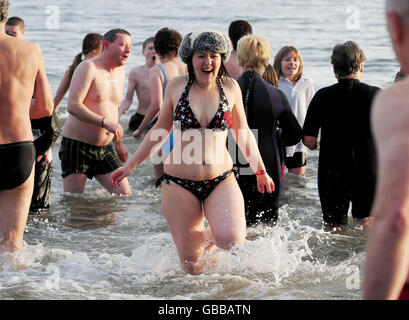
(185, 119)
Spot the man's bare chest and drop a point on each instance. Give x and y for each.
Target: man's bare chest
(105, 90)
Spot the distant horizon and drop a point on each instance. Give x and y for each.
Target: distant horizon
(61, 26)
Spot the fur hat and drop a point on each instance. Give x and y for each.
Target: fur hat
(207, 40)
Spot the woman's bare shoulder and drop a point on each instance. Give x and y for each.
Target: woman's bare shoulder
(229, 82)
(178, 81)
(231, 87)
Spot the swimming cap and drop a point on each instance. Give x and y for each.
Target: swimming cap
(207, 41)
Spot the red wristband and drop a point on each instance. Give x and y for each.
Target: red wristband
(260, 173)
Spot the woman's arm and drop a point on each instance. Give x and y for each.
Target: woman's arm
(62, 90)
(247, 142)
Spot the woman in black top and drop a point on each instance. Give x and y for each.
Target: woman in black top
(265, 107)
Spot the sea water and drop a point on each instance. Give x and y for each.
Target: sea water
(99, 246)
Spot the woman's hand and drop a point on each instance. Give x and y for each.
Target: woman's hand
(118, 175)
(265, 183)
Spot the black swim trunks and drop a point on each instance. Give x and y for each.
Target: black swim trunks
(80, 157)
(136, 121)
(16, 163)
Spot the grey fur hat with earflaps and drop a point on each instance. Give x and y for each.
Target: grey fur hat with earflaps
(205, 40)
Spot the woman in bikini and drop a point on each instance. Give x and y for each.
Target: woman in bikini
(198, 182)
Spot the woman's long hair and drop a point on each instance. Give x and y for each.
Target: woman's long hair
(280, 56)
(92, 41)
(270, 75)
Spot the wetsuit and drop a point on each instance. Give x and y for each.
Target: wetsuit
(347, 159)
(45, 132)
(265, 106)
(185, 119)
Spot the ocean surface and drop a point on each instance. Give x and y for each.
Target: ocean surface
(100, 246)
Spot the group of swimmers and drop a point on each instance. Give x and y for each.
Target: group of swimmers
(192, 92)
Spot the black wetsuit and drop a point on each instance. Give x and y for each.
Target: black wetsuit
(48, 129)
(265, 106)
(347, 160)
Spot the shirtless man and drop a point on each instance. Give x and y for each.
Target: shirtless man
(138, 81)
(95, 95)
(45, 133)
(387, 264)
(166, 42)
(15, 27)
(237, 29)
(22, 76)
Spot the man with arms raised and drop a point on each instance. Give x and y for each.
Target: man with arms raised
(138, 82)
(22, 76)
(95, 95)
(387, 265)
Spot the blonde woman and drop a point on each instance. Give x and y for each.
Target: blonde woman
(264, 107)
